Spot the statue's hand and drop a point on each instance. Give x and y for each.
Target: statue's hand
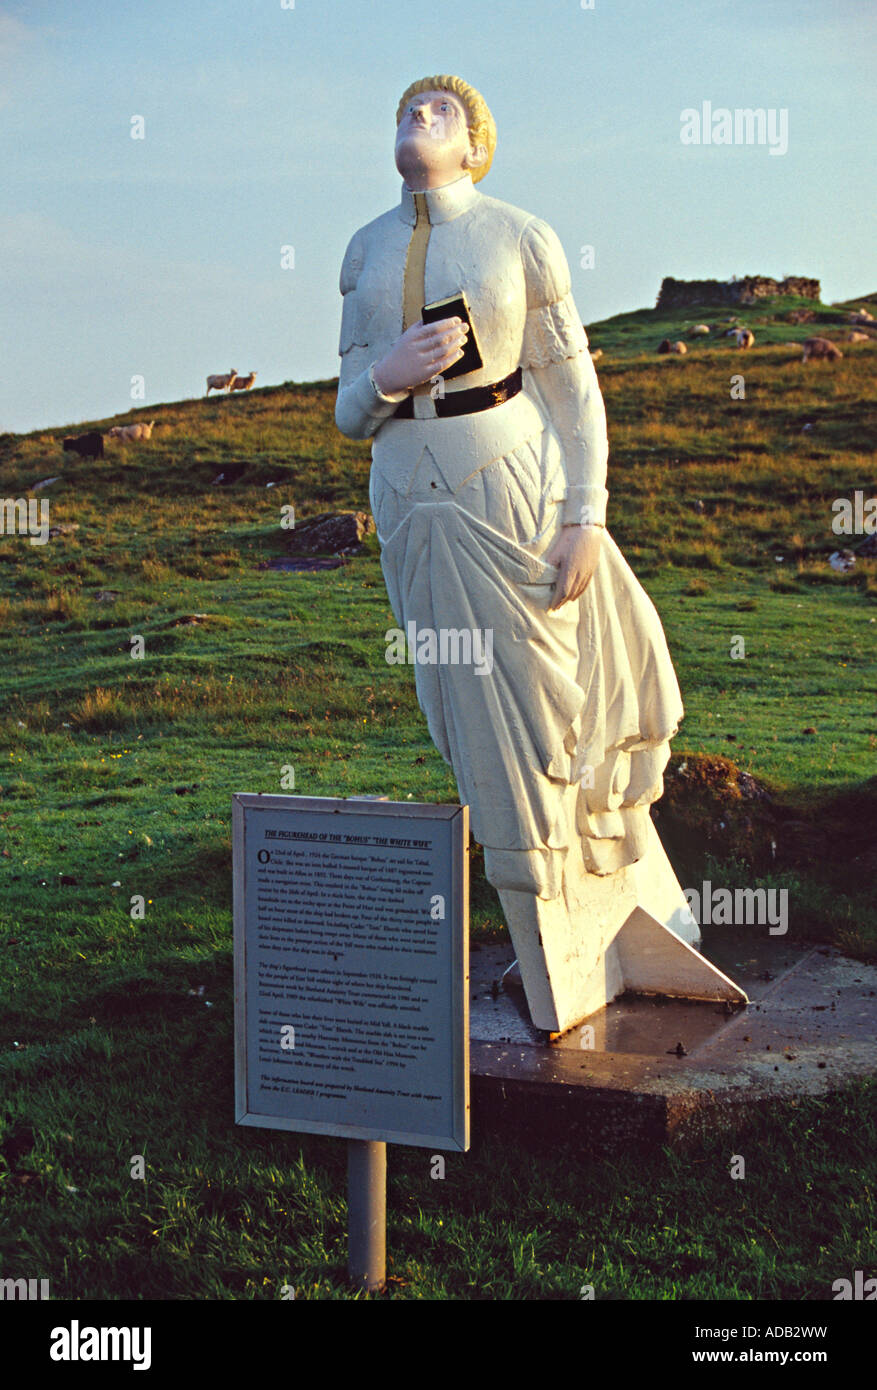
(575, 553)
(425, 350)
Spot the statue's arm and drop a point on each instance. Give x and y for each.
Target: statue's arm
(572, 401)
(360, 408)
(562, 374)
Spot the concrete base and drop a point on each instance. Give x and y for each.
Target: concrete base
(664, 1071)
(631, 929)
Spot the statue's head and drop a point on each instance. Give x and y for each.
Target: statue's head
(444, 128)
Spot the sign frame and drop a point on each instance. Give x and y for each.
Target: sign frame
(457, 819)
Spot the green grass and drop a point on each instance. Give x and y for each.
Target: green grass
(641, 330)
(116, 776)
(230, 1214)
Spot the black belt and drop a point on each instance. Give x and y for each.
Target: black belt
(466, 402)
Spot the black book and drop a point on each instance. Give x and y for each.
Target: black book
(455, 306)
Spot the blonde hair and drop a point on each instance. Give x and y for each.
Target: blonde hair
(482, 128)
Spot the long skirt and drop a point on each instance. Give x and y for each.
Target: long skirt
(583, 695)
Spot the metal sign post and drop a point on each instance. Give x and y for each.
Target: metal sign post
(367, 1214)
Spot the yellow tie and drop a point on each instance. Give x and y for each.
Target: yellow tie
(413, 285)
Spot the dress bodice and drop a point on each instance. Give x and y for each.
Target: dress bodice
(513, 271)
(510, 265)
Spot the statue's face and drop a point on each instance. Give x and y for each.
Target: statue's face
(432, 140)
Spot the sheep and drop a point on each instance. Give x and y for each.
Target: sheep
(132, 432)
(87, 446)
(699, 330)
(745, 337)
(816, 348)
(858, 337)
(666, 346)
(243, 383)
(221, 383)
(597, 353)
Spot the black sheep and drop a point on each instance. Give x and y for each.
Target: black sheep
(87, 446)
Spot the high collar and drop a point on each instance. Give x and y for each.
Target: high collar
(442, 204)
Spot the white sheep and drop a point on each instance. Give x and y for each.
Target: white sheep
(132, 432)
(243, 383)
(222, 383)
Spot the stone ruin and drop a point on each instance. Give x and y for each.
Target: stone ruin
(677, 294)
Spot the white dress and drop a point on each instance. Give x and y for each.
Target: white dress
(466, 507)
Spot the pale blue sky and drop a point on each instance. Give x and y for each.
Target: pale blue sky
(268, 126)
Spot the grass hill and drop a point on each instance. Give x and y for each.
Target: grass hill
(771, 320)
(722, 506)
(119, 769)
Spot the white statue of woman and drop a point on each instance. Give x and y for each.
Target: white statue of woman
(489, 498)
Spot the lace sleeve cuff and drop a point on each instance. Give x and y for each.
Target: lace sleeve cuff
(552, 333)
(585, 505)
(361, 408)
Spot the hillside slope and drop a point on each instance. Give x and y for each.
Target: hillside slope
(774, 322)
(723, 507)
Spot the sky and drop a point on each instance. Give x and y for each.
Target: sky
(269, 124)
